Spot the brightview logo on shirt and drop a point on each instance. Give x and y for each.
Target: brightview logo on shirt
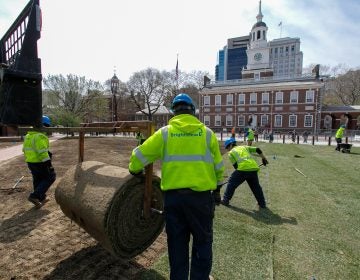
(190, 134)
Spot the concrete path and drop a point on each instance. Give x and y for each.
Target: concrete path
(10, 152)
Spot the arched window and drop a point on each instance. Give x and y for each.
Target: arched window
(258, 35)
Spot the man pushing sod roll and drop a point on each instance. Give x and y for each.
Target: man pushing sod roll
(246, 169)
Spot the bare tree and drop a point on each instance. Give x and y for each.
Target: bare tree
(147, 90)
(346, 87)
(326, 70)
(71, 95)
(196, 79)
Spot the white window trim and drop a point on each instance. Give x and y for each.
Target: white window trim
(308, 92)
(279, 94)
(264, 117)
(281, 117)
(229, 120)
(217, 120)
(242, 95)
(262, 98)
(217, 99)
(296, 93)
(243, 120)
(295, 121)
(229, 97)
(312, 120)
(253, 94)
(207, 120)
(207, 98)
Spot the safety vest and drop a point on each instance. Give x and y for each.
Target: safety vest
(189, 153)
(36, 147)
(242, 156)
(250, 134)
(340, 132)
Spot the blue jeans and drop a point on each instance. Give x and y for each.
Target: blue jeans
(251, 177)
(43, 177)
(189, 213)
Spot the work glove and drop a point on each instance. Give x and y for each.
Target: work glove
(264, 161)
(139, 174)
(217, 197)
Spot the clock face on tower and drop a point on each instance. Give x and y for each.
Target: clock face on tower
(258, 56)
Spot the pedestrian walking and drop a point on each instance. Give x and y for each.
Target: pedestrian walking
(140, 138)
(271, 137)
(191, 175)
(293, 136)
(256, 134)
(305, 136)
(246, 169)
(38, 158)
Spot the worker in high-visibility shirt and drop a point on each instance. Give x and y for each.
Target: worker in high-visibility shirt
(191, 171)
(250, 136)
(246, 169)
(338, 136)
(38, 159)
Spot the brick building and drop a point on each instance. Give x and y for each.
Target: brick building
(271, 104)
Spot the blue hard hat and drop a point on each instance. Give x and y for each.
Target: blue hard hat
(342, 126)
(229, 142)
(46, 121)
(183, 98)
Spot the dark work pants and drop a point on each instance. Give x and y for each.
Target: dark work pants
(251, 177)
(189, 213)
(338, 142)
(43, 177)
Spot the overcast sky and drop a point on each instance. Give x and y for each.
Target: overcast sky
(89, 38)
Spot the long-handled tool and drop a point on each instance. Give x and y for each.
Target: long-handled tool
(17, 182)
(14, 187)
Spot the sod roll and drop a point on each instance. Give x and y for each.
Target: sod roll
(107, 202)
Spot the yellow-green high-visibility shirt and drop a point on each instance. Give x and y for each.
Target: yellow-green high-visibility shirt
(242, 156)
(189, 153)
(340, 132)
(36, 147)
(250, 135)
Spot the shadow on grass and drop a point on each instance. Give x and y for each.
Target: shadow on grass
(266, 216)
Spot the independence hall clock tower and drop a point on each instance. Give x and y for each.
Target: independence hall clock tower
(260, 99)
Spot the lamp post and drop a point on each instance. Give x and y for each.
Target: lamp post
(114, 90)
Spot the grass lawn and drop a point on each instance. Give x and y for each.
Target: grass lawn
(312, 227)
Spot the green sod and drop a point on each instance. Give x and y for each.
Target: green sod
(312, 227)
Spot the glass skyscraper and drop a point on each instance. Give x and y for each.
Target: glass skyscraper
(232, 59)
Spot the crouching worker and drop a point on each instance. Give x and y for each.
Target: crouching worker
(38, 159)
(246, 169)
(191, 169)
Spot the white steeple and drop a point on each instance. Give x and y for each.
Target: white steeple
(260, 15)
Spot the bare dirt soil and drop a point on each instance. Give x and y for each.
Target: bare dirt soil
(44, 243)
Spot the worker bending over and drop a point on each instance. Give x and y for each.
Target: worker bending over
(246, 169)
(338, 137)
